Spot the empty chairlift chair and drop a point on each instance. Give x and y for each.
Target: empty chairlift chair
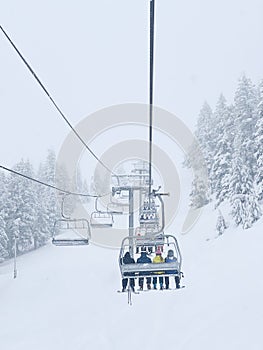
(71, 232)
(101, 219)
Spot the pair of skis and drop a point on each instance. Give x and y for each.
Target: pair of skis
(148, 290)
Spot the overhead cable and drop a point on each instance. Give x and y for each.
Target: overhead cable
(54, 103)
(51, 186)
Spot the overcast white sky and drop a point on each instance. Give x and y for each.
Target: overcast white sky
(93, 54)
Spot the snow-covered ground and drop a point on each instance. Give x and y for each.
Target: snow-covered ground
(65, 298)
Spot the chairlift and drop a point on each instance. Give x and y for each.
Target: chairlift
(136, 270)
(149, 218)
(121, 198)
(148, 213)
(115, 208)
(68, 231)
(71, 232)
(149, 240)
(101, 219)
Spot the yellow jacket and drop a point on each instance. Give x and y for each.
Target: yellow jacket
(157, 260)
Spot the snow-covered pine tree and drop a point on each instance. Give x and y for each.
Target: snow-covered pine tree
(41, 227)
(259, 144)
(21, 214)
(82, 187)
(245, 121)
(221, 165)
(3, 240)
(243, 199)
(50, 203)
(3, 212)
(64, 182)
(220, 224)
(245, 207)
(200, 158)
(198, 195)
(205, 134)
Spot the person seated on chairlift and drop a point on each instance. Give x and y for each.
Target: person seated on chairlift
(144, 259)
(158, 259)
(127, 259)
(171, 259)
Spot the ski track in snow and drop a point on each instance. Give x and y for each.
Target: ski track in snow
(65, 298)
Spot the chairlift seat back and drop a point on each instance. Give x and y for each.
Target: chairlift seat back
(101, 219)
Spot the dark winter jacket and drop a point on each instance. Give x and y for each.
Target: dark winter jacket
(127, 259)
(143, 259)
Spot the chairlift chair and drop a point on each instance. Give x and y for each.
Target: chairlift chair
(101, 219)
(120, 198)
(150, 270)
(148, 214)
(71, 232)
(115, 208)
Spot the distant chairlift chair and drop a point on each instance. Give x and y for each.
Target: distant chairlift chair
(69, 231)
(101, 219)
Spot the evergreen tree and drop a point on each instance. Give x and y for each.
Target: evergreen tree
(259, 144)
(220, 224)
(3, 240)
(3, 212)
(245, 207)
(199, 158)
(41, 231)
(64, 182)
(205, 134)
(21, 208)
(198, 195)
(221, 166)
(49, 200)
(245, 121)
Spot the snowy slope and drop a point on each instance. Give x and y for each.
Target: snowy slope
(65, 298)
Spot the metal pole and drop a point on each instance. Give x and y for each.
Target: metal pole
(151, 90)
(15, 253)
(131, 221)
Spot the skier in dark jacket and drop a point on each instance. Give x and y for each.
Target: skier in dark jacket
(144, 259)
(170, 259)
(127, 259)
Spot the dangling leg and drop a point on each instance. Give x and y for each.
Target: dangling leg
(132, 284)
(141, 283)
(161, 282)
(124, 284)
(154, 282)
(148, 281)
(177, 281)
(166, 282)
